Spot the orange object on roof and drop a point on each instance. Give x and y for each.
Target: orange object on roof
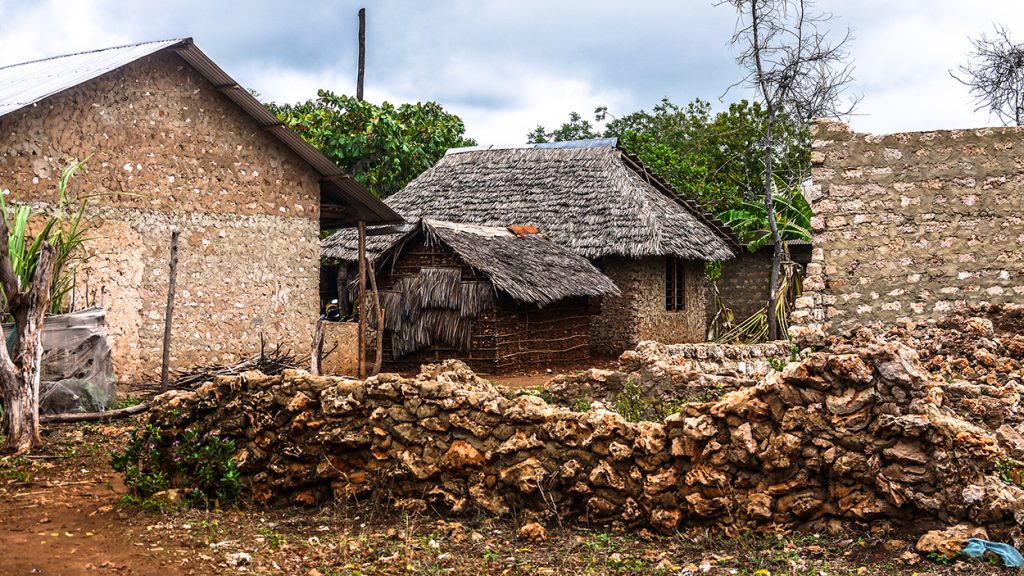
(523, 230)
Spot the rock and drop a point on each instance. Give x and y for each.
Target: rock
(238, 559)
(488, 499)
(533, 532)
(666, 519)
(850, 368)
(949, 541)
(525, 476)
(460, 456)
(519, 442)
(981, 327)
(167, 500)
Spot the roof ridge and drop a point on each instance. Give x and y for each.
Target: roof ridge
(612, 142)
(70, 54)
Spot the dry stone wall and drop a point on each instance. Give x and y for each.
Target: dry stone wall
(854, 433)
(167, 150)
(913, 225)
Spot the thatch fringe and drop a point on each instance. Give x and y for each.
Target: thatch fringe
(391, 302)
(439, 287)
(475, 298)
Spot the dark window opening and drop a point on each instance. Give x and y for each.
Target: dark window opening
(675, 284)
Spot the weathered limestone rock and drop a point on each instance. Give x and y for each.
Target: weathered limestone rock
(949, 541)
(857, 432)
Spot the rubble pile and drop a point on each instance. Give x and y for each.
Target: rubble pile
(852, 433)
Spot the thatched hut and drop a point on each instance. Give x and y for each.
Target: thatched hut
(498, 298)
(598, 202)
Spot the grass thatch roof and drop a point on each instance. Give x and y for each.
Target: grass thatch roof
(528, 267)
(588, 196)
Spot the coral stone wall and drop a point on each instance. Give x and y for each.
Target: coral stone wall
(639, 314)
(853, 433)
(167, 150)
(913, 225)
(745, 279)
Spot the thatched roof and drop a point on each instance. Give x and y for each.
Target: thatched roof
(528, 267)
(589, 196)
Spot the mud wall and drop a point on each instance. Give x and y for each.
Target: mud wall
(639, 314)
(167, 150)
(913, 225)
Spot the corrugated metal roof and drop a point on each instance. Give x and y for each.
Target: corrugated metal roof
(26, 84)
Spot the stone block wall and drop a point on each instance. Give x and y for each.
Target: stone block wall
(913, 225)
(167, 150)
(639, 314)
(745, 279)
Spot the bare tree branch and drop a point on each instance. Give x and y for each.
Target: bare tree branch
(995, 76)
(799, 75)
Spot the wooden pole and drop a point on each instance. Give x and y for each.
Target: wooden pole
(169, 313)
(318, 348)
(362, 53)
(361, 299)
(379, 354)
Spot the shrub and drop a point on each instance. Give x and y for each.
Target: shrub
(201, 466)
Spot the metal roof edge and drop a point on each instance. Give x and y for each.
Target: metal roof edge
(564, 145)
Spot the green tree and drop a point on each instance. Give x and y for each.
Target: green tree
(713, 158)
(383, 146)
(577, 128)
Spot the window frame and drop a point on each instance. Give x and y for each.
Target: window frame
(675, 284)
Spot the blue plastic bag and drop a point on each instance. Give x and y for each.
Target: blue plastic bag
(976, 548)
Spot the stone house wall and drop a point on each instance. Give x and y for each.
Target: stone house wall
(745, 279)
(639, 314)
(167, 150)
(913, 225)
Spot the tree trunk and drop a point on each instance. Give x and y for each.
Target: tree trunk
(769, 202)
(20, 371)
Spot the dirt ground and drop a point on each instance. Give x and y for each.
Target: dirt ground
(60, 516)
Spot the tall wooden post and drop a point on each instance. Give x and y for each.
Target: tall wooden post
(362, 53)
(169, 313)
(361, 299)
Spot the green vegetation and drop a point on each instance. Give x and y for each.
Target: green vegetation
(384, 147)
(750, 219)
(64, 230)
(713, 158)
(128, 401)
(1011, 471)
(202, 467)
(634, 407)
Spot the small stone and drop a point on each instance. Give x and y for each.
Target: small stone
(534, 532)
(238, 559)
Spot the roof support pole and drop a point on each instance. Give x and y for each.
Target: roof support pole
(361, 301)
(362, 54)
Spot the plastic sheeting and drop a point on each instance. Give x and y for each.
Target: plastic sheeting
(976, 548)
(78, 372)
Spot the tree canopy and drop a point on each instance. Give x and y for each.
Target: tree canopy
(383, 146)
(713, 158)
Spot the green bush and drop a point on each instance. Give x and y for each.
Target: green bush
(201, 466)
(634, 407)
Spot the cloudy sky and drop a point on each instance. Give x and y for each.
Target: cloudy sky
(504, 66)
